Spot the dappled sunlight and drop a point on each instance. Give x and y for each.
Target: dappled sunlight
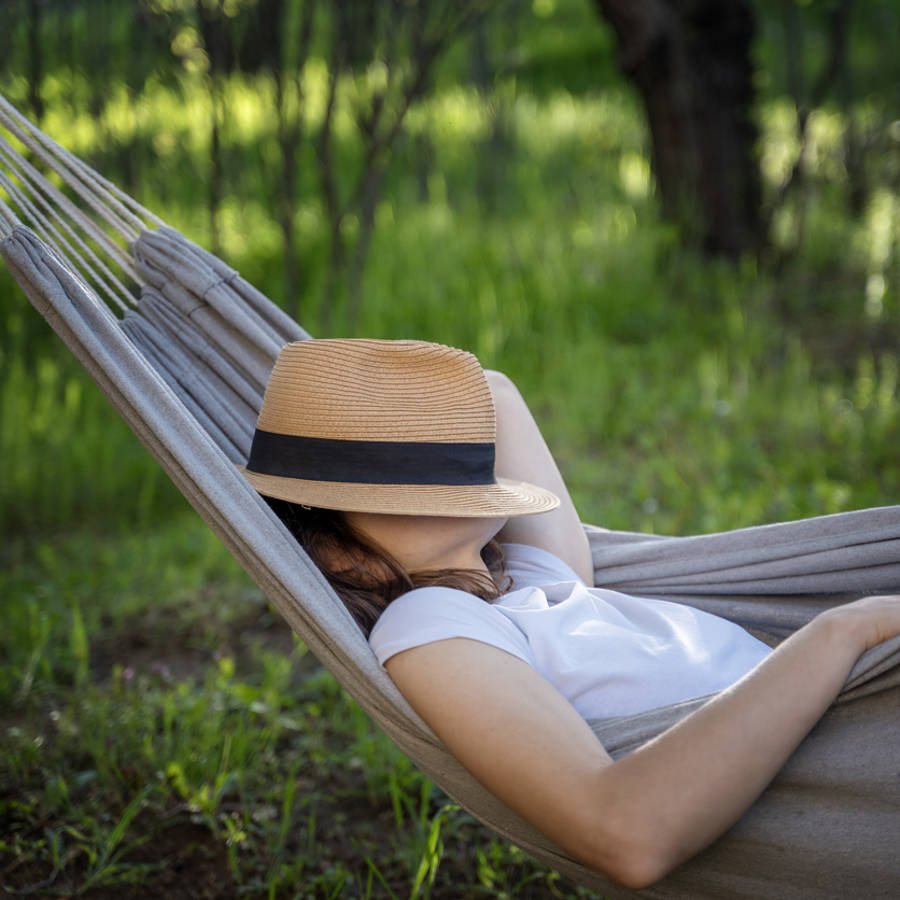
(315, 89)
(778, 144)
(79, 132)
(562, 117)
(542, 127)
(175, 125)
(246, 227)
(882, 236)
(172, 118)
(121, 114)
(352, 94)
(825, 144)
(458, 114)
(595, 122)
(816, 214)
(634, 173)
(612, 224)
(188, 46)
(250, 105)
(825, 140)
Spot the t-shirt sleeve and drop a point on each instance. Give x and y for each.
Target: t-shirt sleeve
(430, 614)
(535, 567)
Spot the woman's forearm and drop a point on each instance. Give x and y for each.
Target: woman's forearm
(679, 792)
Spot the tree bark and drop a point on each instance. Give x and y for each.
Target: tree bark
(690, 61)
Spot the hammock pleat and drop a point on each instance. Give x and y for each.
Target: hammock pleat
(846, 551)
(203, 399)
(172, 265)
(175, 329)
(187, 368)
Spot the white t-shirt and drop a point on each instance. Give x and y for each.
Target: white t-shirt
(608, 654)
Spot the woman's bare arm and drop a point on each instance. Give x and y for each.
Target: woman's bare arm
(637, 818)
(523, 455)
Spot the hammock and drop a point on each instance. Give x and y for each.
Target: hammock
(182, 346)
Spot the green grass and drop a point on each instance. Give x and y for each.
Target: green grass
(160, 730)
(154, 699)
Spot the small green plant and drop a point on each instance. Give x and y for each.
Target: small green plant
(431, 856)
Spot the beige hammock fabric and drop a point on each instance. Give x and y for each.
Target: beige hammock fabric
(185, 365)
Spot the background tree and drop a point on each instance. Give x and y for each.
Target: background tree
(379, 56)
(690, 61)
(389, 50)
(809, 89)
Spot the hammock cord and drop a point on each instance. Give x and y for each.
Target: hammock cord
(58, 203)
(51, 231)
(95, 233)
(88, 184)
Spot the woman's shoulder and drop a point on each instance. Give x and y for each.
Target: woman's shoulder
(432, 605)
(530, 566)
(428, 614)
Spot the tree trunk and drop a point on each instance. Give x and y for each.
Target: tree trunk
(690, 61)
(216, 186)
(371, 191)
(35, 60)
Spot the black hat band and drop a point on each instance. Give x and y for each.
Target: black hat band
(371, 462)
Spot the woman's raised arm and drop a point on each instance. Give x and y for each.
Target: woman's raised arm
(523, 455)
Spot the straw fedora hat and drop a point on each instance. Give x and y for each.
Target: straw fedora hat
(404, 427)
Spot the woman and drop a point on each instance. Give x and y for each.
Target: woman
(382, 458)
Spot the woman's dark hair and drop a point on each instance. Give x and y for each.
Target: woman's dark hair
(365, 576)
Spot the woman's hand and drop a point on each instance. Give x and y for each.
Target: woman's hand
(872, 619)
(523, 455)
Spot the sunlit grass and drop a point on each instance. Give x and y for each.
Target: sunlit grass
(456, 114)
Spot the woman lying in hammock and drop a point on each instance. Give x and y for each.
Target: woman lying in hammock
(380, 457)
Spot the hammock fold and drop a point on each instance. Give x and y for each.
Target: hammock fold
(186, 365)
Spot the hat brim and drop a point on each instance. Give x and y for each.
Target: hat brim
(504, 498)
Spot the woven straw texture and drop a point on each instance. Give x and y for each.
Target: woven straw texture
(387, 391)
(505, 498)
(378, 391)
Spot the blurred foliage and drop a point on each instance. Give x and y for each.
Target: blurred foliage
(517, 218)
(797, 33)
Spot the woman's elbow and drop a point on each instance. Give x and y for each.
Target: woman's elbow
(633, 858)
(638, 873)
